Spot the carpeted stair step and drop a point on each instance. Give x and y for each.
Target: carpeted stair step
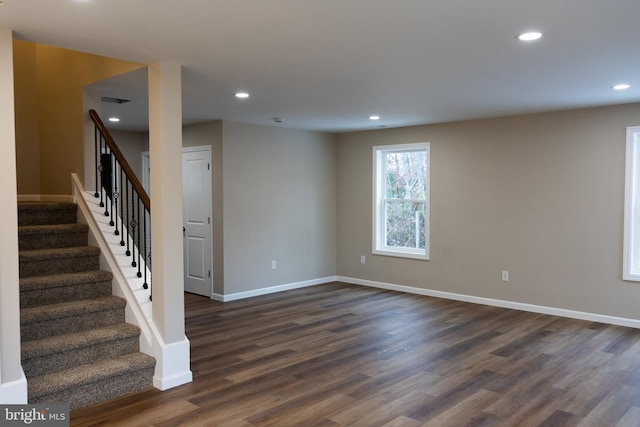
(31, 237)
(41, 213)
(53, 354)
(76, 347)
(69, 317)
(91, 383)
(55, 289)
(57, 261)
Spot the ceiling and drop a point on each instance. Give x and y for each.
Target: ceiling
(328, 65)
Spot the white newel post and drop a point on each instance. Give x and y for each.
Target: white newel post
(165, 151)
(13, 384)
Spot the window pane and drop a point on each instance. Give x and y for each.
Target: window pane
(406, 171)
(405, 224)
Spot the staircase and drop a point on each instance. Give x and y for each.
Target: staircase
(76, 347)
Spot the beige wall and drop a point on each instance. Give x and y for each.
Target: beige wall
(210, 134)
(279, 204)
(49, 99)
(538, 195)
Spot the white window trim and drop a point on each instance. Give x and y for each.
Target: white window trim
(378, 246)
(631, 259)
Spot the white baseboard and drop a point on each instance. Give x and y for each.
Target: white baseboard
(60, 198)
(581, 315)
(14, 392)
(173, 368)
(272, 289)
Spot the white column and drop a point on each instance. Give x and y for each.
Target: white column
(167, 280)
(165, 152)
(13, 385)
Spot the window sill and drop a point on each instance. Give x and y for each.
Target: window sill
(420, 255)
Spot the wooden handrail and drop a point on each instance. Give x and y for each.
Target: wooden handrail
(133, 179)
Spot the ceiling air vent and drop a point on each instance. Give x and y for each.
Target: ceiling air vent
(114, 100)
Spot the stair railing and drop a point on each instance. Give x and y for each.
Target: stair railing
(124, 199)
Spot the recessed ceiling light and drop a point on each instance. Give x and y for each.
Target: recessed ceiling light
(621, 86)
(530, 36)
(114, 119)
(242, 95)
(374, 117)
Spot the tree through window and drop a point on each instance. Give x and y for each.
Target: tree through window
(401, 200)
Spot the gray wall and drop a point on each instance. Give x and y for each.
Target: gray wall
(539, 195)
(132, 145)
(210, 134)
(279, 204)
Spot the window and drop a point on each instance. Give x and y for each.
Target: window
(631, 262)
(401, 200)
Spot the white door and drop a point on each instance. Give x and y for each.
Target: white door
(196, 187)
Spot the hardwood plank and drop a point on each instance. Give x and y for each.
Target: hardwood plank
(613, 407)
(630, 419)
(378, 411)
(468, 411)
(402, 421)
(560, 418)
(339, 355)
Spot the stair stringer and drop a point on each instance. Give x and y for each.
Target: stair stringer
(172, 359)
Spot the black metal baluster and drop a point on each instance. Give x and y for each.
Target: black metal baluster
(116, 196)
(122, 184)
(106, 177)
(128, 252)
(101, 168)
(145, 285)
(151, 288)
(95, 145)
(139, 242)
(133, 231)
(111, 187)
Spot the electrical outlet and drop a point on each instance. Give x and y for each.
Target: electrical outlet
(273, 264)
(362, 259)
(505, 276)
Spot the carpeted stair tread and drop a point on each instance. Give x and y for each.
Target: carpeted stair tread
(58, 288)
(52, 354)
(66, 279)
(33, 237)
(30, 230)
(60, 343)
(35, 213)
(58, 253)
(43, 262)
(46, 385)
(68, 309)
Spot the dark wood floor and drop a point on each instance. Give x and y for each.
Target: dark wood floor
(342, 355)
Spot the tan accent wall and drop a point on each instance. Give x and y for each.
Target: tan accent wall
(49, 99)
(538, 195)
(26, 105)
